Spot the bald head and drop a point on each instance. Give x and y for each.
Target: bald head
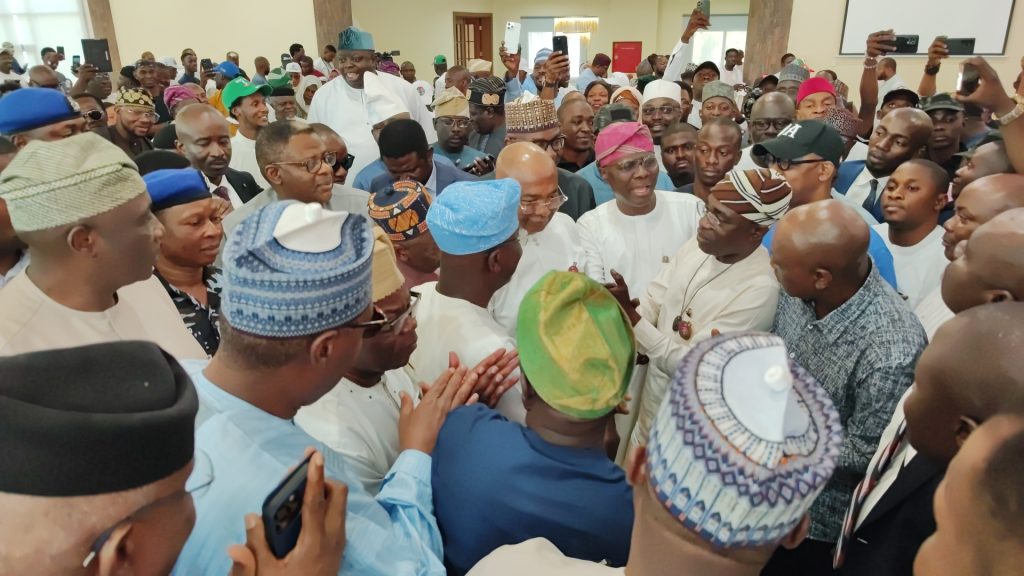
(43, 76)
(533, 168)
(191, 119)
(897, 138)
(991, 268)
(774, 105)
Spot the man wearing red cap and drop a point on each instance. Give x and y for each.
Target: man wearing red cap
(814, 99)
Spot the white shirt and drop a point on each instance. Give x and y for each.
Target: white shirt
(411, 98)
(731, 77)
(343, 108)
(31, 321)
(694, 118)
(243, 158)
(728, 298)
(439, 83)
(747, 159)
(18, 268)
(12, 77)
(236, 200)
(919, 267)
(858, 152)
(324, 67)
(425, 91)
(932, 312)
(556, 247)
(903, 455)
(444, 325)
(538, 557)
(637, 247)
(888, 86)
(682, 54)
(361, 424)
(860, 189)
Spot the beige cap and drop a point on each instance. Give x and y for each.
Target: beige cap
(387, 278)
(451, 102)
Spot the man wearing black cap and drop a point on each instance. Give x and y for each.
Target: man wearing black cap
(948, 122)
(487, 113)
(705, 73)
(282, 101)
(807, 154)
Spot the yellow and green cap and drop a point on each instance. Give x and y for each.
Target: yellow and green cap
(576, 345)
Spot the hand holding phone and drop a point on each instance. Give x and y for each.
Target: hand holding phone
(206, 64)
(560, 44)
(968, 80)
(906, 44)
(513, 31)
(705, 7)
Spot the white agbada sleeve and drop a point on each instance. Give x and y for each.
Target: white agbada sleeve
(590, 241)
(681, 55)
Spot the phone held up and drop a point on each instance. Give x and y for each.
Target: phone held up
(959, 46)
(705, 7)
(906, 44)
(282, 511)
(968, 79)
(560, 44)
(513, 31)
(206, 64)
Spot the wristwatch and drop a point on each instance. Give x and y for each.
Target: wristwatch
(932, 70)
(1012, 115)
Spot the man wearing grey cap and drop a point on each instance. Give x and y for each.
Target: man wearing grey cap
(790, 79)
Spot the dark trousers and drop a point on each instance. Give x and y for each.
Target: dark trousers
(811, 558)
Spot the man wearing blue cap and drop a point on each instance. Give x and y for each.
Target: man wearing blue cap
(296, 308)
(476, 226)
(41, 114)
(222, 74)
(191, 217)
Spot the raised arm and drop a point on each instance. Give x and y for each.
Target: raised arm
(991, 94)
(936, 53)
(878, 44)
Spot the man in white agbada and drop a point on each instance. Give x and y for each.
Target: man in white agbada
(82, 209)
(721, 281)
(247, 104)
(552, 238)
(476, 226)
(342, 102)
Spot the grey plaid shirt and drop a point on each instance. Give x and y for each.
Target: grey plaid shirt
(864, 354)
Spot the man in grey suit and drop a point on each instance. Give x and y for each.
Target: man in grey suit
(487, 112)
(407, 156)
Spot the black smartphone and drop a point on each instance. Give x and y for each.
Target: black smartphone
(906, 43)
(968, 80)
(282, 511)
(560, 44)
(206, 63)
(76, 61)
(97, 53)
(960, 46)
(60, 50)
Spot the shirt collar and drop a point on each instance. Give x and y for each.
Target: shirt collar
(865, 177)
(839, 320)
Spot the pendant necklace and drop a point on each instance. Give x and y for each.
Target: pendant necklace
(684, 327)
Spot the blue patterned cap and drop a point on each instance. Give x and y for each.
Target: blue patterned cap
(173, 187)
(30, 108)
(353, 38)
(294, 269)
(473, 217)
(744, 442)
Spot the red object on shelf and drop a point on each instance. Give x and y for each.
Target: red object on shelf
(626, 56)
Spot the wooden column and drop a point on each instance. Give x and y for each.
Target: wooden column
(102, 23)
(767, 37)
(331, 16)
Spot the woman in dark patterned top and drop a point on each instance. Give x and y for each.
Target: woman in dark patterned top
(191, 218)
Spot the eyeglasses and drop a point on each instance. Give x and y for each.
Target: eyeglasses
(374, 326)
(345, 162)
(398, 322)
(313, 164)
(556, 143)
(93, 115)
(785, 164)
(665, 110)
(648, 162)
(778, 123)
(456, 122)
(137, 113)
(553, 203)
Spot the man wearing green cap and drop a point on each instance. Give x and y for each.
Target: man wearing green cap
(441, 69)
(553, 477)
(948, 122)
(247, 103)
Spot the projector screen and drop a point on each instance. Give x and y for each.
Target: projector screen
(987, 21)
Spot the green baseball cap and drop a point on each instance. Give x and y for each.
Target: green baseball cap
(240, 88)
(440, 59)
(941, 101)
(802, 138)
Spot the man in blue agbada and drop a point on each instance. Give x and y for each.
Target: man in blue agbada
(296, 307)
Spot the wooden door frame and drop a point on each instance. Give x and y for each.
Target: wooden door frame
(487, 37)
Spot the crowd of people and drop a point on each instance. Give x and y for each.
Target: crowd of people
(685, 320)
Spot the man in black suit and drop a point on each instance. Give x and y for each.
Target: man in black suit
(204, 138)
(952, 396)
(407, 156)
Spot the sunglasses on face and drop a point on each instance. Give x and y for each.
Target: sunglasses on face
(343, 161)
(93, 115)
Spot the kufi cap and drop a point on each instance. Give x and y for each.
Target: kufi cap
(529, 114)
(576, 345)
(707, 65)
(794, 72)
(7, 47)
(282, 91)
(401, 210)
(632, 94)
(227, 69)
(814, 86)
(718, 89)
(489, 91)
(153, 160)
(662, 89)
(743, 443)
(135, 97)
(758, 195)
(26, 109)
(451, 102)
(169, 188)
(387, 278)
(618, 79)
(473, 217)
(51, 184)
(94, 420)
(622, 139)
(440, 59)
(843, 121)
(293, 68)
(353, 38)
(175, 94)
(902, 94)
(542, 56)
(802, 138)
(612, 113)
(941, 101)
(240, 88)
(381, 103)
(477, 65)
(169, 61)
(294, 269)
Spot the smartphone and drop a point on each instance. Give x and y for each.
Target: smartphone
(560, 44)
(285, 59)
(97, 53)
(76, 61)
(960, 46)
(967, 81)
(60, 50)
(206, 63)
(705, 7)
(513, 32)
(282, 511)
(906, 44)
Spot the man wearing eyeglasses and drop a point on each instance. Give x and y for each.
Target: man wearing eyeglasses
(770, 115)
(29, 114)
(661, 108)
(452, 123)
(343, 196)
(135, 115)
(247, 103)
(552, 239)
